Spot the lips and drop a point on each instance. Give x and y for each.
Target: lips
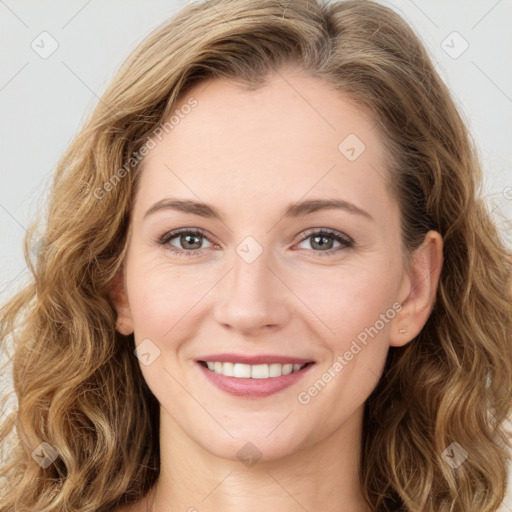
(253, 376)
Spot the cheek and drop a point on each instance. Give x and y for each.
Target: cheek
(159, 298)
(162, 310)
(349, 300)
(356, 307)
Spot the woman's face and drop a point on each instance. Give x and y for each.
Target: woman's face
(272, 278)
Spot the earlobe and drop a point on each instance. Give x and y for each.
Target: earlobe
(420, 288)
(119, 297)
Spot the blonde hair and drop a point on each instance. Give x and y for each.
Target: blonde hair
(78, 384)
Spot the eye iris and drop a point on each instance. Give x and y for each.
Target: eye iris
(323, 243)
(184, 240)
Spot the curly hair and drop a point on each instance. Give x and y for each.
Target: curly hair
(78, 385)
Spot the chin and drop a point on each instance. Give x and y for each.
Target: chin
(261, 442)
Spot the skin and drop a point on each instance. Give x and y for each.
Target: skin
(251, 154)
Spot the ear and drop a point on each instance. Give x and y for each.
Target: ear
(119, 297)
(418, 290)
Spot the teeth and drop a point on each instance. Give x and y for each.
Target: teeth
(242, 371)
(255, 371)
(227, 369)
(275, 370)
(260, 371)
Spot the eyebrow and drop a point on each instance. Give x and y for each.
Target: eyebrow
(293, 210)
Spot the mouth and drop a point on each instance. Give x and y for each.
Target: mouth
(253, 371)
(269, 375)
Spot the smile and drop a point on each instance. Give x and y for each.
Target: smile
(252, 376)
(249, 371)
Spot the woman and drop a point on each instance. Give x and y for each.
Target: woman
(266, 281)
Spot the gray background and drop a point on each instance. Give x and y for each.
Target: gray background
(44, 98)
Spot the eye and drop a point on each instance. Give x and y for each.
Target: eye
(324, 240)
(189, 240)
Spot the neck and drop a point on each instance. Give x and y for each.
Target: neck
(322, 476)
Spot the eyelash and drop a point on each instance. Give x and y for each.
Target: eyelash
(346, 241)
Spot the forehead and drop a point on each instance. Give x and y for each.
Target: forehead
(296, 135)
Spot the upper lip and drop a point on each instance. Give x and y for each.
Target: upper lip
(254, 359)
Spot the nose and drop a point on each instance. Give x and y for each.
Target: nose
(252, 298)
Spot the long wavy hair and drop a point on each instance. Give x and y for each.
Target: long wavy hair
(77, 382)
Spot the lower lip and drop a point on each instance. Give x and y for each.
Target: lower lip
(253, 388)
